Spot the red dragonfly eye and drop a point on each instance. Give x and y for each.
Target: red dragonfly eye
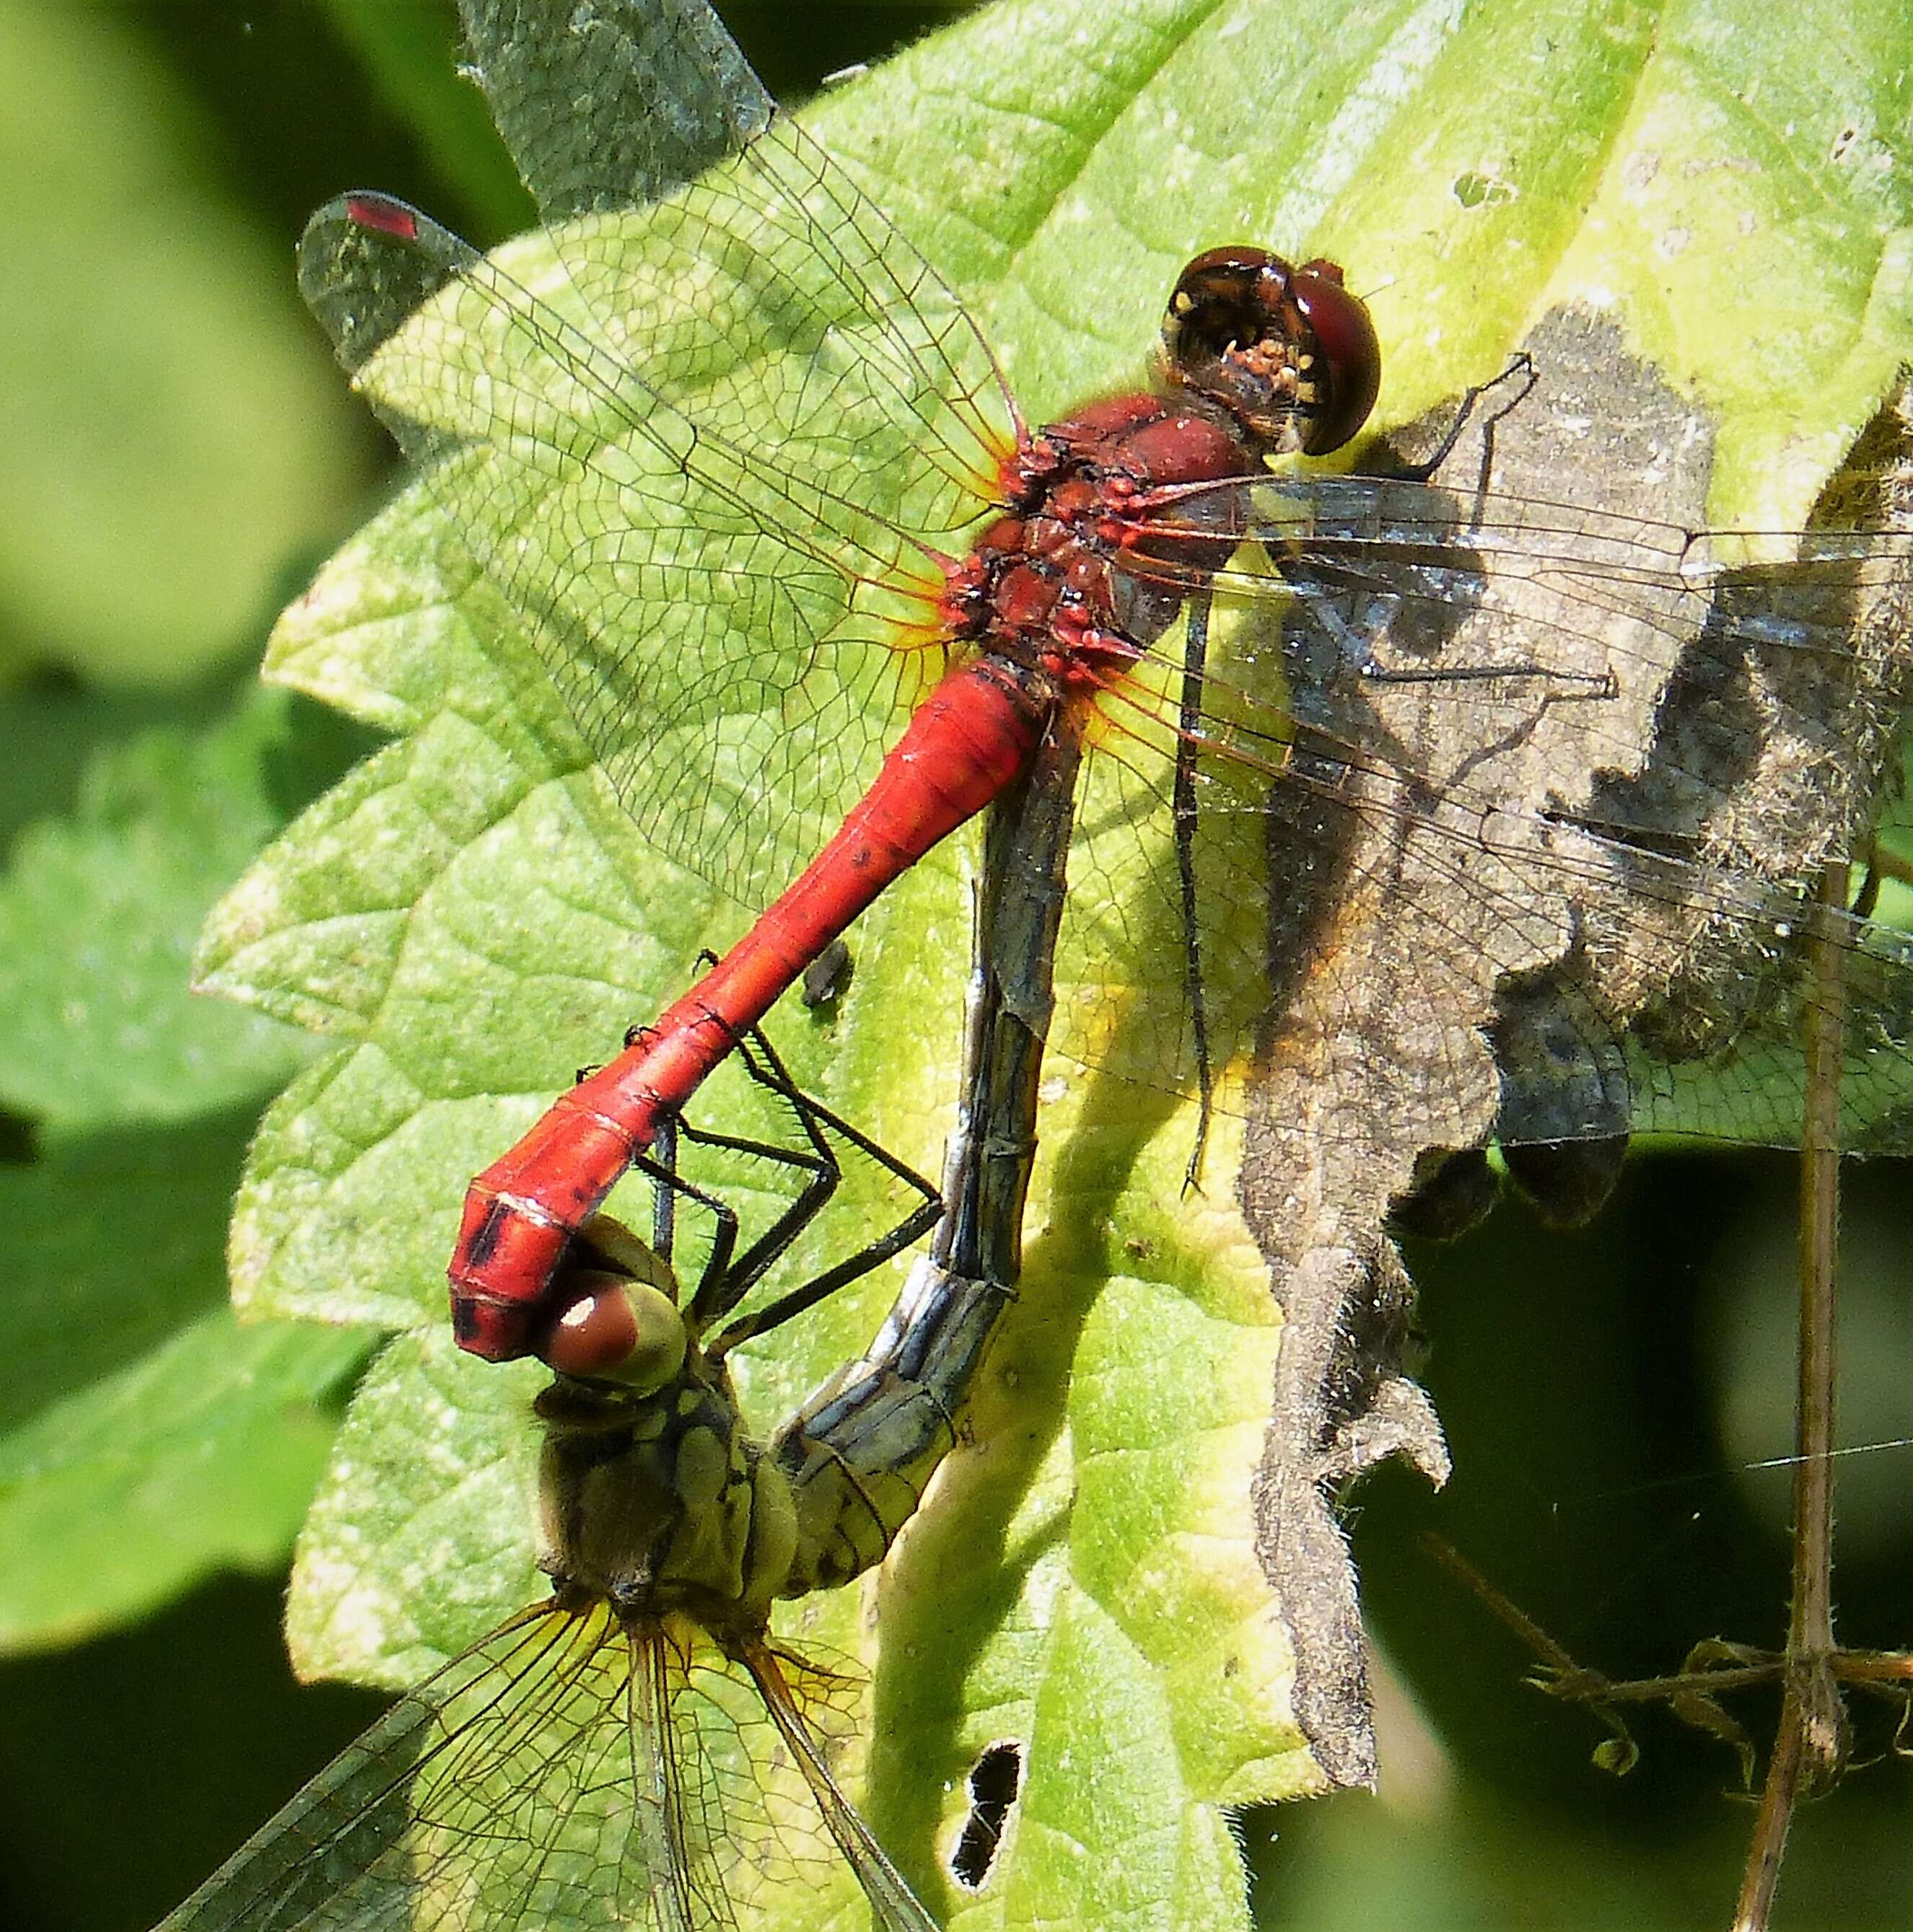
(1289, 353)
(1344, 335)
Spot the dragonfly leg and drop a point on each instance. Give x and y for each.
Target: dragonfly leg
(671, 1185)
(1598, 683)
(1355, 642)
(816, 1118)
(1491, 402)
(663, 1200)
(1520, 376)
(720, 1292)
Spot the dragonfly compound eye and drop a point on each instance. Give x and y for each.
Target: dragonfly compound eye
(617, 1330)
(1288, 352)
(1351, 356)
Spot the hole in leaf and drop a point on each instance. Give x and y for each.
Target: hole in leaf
(994, 1778)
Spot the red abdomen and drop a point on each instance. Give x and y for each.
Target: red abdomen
(969, 741)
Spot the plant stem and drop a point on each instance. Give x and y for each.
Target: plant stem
(1811, 1742)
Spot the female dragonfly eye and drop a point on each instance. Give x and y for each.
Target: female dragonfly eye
(614, 1329)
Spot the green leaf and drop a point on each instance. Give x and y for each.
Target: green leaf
(470, 917)
(146, 1440)
(145, 522)
(420, 1537)
(98, 915)
(53, 735)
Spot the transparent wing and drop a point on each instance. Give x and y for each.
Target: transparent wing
(415, 1823)
(566, 1772)
(1593, 763)
(795, 1693)
(763, 1780)
(706, 444)
(700, 441)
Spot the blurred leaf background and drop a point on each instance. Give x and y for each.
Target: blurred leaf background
(176, 452)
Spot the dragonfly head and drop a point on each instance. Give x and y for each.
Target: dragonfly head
(1288, 354)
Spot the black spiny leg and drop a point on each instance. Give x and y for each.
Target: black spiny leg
(765, 1066)
(1520, 377)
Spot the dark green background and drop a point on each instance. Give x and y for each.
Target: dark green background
(1583, 1380)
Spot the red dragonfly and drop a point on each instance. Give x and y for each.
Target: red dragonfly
(749, 474)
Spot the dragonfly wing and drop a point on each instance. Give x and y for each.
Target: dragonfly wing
(894, 1907)
(1392, 577)
(670, 94)
(659, 1784)
(367, 263)
(1595, 763)
(530, 1782)
(494, 1791)
(708, 446)
(566, 1771)
(734, 1827)
(1731, 730)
